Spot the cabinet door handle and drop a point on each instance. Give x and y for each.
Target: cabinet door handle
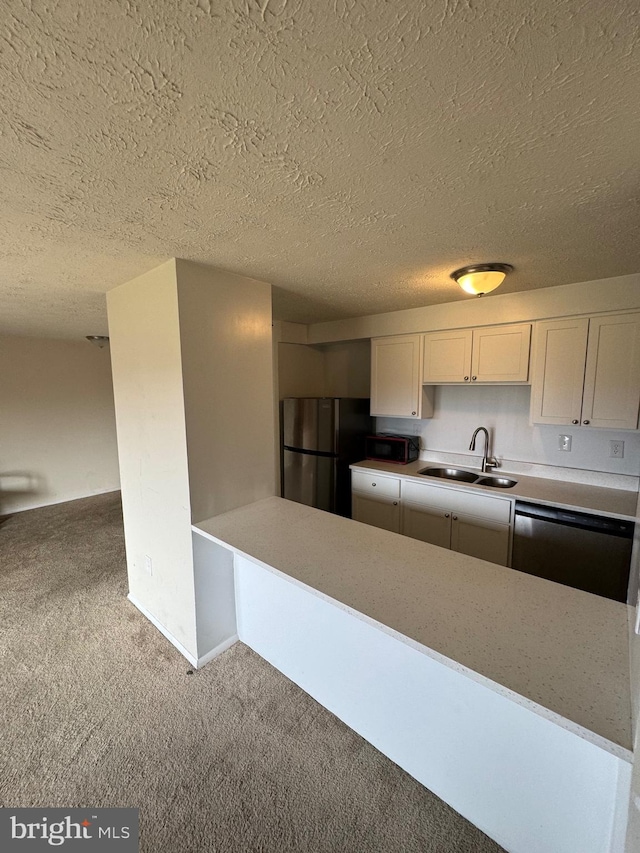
(455, 517)
(446, 515)
(413, 413)
(395, 503)
(575, 421)
(586, 422)
(466, 378)
(473, 378)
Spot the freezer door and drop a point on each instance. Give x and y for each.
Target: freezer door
(309, 423)
(309, 479)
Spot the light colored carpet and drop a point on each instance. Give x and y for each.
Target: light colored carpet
(97, 709)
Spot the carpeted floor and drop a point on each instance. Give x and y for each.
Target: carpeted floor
(98, 709)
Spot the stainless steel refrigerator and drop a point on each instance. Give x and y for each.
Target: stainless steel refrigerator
(320, 437)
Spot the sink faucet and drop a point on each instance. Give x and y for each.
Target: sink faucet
(487, 461)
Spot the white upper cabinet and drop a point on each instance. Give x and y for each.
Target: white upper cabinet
(447, 356)
(501, 353)
(396, 378)
(557, 378)
(587, 371)
(491, 355)
(612, 375)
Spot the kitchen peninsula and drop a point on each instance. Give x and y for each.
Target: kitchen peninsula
(506, 695)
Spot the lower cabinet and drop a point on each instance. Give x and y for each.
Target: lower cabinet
(481, 538)
(376, 500)
(433, 526)
(470, 523)
(383, 513)
(466, 534)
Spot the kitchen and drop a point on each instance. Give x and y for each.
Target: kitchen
(614, 479)
(522, 434)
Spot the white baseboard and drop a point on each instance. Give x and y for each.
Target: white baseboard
(198, 663)
(193, 661)
(7, 509)
(221, 647)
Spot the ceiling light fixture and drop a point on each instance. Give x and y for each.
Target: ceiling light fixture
(479, 279)
(98, 340)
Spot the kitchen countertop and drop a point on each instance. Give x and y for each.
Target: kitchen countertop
(615, 503)
(560, 652)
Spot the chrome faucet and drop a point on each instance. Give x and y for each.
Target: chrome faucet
(487, 461)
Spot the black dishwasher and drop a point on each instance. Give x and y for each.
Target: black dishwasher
(581, 550)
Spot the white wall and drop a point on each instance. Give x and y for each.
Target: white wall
(227, 376)
(504, 410)
(147, 378)
(57, 425)
(347, 369)
(332, 370)
(193, 381)
(301, 371)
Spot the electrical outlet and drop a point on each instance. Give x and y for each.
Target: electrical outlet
(564, 442)
(616, 449)
(148, 564)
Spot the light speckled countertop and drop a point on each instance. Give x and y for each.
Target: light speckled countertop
(561, 652)
(617, 503)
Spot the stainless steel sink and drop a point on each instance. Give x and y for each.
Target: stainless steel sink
(461, 476)
(450, 474)
(497, 482)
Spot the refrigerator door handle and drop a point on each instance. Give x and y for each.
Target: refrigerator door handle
(309, 452)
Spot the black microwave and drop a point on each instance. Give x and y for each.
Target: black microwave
(389, 447)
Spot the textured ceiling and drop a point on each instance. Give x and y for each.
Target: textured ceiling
(351, 152)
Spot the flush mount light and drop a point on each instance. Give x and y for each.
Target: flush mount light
(98, 340)
(479, 279)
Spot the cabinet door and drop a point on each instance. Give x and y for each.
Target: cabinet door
(559, 358)
(478, 538)
(428, 525)
(385, 514)
(447, 356)
(612, 375)
(501, 353)
(396, 380)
